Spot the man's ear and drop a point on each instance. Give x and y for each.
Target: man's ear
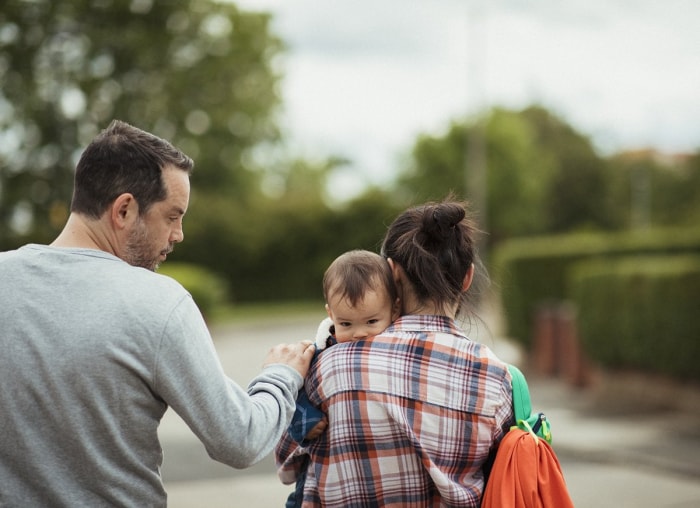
(124, 210)
(468, 278)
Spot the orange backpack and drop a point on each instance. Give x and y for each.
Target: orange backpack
(526, 473)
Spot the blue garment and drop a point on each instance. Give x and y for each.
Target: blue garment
(296, 498)
(306, 417)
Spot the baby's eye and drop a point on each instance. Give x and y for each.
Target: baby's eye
(372, 321)
(345, 323)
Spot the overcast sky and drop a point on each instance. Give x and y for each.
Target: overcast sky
(364, 77)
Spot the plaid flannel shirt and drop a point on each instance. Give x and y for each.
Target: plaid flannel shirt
(414, 414)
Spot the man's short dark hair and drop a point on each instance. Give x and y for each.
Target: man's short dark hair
(123, 159)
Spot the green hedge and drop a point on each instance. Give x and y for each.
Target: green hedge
(208, 290)
(532, 271)
(641, 313)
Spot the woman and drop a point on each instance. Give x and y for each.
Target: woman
(415, 413)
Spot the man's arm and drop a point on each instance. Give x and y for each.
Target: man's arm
(237, 428)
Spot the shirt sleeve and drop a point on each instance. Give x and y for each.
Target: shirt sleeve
(291, 459)
(237, 428)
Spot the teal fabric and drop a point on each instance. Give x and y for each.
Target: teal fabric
(536, 424)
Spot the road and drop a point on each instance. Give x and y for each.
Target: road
(596, 479)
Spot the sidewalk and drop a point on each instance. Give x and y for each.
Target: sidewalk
(586, 429)
(615, 457)
(614, 453)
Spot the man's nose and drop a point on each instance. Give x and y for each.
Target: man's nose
(177, 236)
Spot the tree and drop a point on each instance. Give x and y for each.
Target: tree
(517, 172)
(284, 243)
(577, 194)
(691, 182)
(651, 190)
(267, 248)
(199, 73)
(541, 175)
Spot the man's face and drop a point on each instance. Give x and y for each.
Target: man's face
(154, 235)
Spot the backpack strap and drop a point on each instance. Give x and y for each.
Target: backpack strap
(536, 424)
(522, 406)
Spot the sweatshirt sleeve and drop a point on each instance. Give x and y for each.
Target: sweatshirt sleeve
(237, 427)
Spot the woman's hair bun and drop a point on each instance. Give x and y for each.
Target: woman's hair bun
(441, 219)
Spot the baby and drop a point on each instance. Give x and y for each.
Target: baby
(361, 301)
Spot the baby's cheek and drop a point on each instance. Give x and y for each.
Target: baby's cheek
(343, 337)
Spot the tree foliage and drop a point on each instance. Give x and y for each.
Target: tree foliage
(541, 175)
(199, 73)
(575, 197)
(278, 248)
(652, 190)
(202, 74)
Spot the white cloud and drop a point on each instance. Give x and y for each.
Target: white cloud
(363, 78)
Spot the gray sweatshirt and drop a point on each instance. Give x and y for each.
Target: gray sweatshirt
(92, 353)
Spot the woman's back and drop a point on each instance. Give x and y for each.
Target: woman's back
(414, 415)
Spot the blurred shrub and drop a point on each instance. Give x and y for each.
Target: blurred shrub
(208, 290)
(274, 250)
(640, 313)
(532, 271)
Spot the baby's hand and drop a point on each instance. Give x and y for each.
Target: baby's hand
(317, 430)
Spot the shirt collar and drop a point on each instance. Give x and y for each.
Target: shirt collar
(425, 324)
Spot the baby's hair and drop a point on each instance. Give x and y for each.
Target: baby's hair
(353, 273)
(434, 244)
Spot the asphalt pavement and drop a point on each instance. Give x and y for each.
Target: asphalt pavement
(624, 441)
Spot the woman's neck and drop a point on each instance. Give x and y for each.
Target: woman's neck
(410, 304)
(415, 308)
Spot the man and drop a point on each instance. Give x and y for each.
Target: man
(96, 346)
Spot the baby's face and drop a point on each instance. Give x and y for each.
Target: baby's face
(368, 318)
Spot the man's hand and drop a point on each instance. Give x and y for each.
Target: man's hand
(297, 356)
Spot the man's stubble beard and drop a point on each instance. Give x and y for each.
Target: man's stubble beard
(138, 248)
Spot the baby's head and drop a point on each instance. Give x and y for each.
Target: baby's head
(360, 295)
